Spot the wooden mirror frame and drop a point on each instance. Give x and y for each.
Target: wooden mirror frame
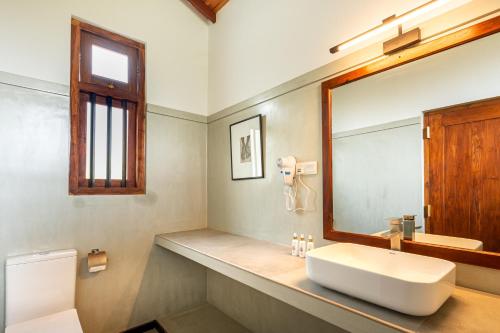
(460, 37)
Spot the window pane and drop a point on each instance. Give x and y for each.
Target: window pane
(116, 143)
(101, 124)
(109, 64)
(87, 144)
(101, 143)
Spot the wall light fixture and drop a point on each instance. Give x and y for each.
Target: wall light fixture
(402, 40)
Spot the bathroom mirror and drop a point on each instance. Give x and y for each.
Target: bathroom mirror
(419, 136)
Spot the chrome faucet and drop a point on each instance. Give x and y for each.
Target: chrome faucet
(395, 233)
(400, 228)
(408, 222)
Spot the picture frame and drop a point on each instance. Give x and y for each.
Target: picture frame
(246, 149)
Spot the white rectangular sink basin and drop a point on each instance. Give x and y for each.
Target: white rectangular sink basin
(405, 282)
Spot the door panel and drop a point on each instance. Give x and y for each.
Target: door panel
(457, 183)
(463, 166)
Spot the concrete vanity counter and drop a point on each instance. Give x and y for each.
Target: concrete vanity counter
(270, 269)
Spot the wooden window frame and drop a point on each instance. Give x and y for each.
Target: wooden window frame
(86, 76)
(454, 39)
(82, 84)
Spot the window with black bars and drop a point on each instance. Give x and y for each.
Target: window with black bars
(116, 143)
(107, 113)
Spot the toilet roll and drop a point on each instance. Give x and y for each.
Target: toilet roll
(97, 260)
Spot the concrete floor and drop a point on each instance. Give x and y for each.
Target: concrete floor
(202, 319)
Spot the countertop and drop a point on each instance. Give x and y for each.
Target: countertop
(270, 268)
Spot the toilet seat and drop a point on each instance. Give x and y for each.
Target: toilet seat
(60, 322)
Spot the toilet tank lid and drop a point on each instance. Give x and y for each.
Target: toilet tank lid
(40, 256)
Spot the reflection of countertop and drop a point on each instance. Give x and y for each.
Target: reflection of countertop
(463, 243)
(269, 268)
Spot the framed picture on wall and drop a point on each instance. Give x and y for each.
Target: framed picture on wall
(246, 149)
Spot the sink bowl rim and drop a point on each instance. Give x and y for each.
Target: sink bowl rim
(430, 279)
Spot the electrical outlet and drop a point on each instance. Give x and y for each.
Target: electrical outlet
(307, 168)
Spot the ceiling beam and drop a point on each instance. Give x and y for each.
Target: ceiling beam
(216, 5)
(204, 9)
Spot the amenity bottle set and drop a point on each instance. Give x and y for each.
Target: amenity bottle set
(300, 246)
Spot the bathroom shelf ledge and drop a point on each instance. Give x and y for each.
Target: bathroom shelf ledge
(270, 269)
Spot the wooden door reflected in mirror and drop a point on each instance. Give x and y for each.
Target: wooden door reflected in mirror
(463, 173)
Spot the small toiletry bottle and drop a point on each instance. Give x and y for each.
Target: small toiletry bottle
(310, 243)
(295, 245)
(302, 246)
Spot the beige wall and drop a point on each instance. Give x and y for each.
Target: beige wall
(36, 212)
(256, 208)
(252, 50)
(35, 42)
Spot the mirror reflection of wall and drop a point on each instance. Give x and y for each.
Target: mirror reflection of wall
(378, 161)
(377, 174)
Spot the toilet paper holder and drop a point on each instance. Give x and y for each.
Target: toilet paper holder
(97, 260)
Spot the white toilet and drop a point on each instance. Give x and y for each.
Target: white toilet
(40, 293)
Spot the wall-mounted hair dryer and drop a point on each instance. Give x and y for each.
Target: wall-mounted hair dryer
(288, 167)
(292, 171)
